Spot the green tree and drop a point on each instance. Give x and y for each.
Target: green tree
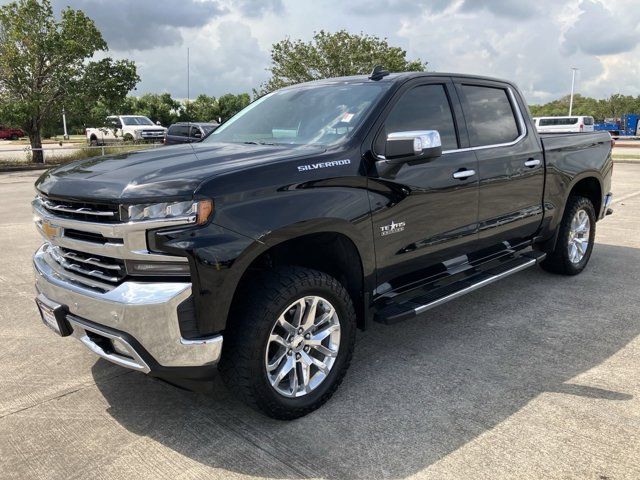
(613, 107)
(230, 104)
(333, 55)
(44, 66)
(158, 107)
(203, 109)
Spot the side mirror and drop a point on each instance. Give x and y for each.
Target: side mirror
(408, 147)
(414, 145)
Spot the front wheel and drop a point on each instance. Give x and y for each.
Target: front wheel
(290, 342)
(575, 238)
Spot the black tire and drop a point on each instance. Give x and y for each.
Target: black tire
(559, 260)
(242, 364)
(128, 138)
(14, 137)
(93, 142)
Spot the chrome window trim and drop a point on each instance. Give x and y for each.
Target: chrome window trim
(522, 126)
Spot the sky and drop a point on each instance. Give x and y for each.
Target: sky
(532, 42)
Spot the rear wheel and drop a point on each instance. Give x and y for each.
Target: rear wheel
(290, 342)
(575, 238)
(93, 141)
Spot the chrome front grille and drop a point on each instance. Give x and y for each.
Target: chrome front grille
(91, 250)
(86, 211)
(105, 269)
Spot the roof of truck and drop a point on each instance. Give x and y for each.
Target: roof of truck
(401, 76)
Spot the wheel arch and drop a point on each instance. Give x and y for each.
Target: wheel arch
(332, 251)
(588, 184)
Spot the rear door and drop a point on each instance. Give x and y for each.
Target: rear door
(510, 162)
(422, 214)
(178, 134)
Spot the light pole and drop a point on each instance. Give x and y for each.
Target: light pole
(573, 82)
(64, 124)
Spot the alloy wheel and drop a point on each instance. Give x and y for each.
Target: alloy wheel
(579, 234)
(302, 346)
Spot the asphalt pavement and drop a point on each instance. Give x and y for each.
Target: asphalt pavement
(532, 377)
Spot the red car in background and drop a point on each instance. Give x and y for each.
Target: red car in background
(10, 133)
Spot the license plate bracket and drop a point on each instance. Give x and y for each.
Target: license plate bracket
(54, 316)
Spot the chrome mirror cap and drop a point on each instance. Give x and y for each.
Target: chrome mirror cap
(422, 139)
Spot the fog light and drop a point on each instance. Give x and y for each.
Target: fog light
(135, 267)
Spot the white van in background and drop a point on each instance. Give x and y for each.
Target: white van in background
(571, 124)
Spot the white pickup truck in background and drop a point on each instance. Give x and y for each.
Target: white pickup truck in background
(125, 128)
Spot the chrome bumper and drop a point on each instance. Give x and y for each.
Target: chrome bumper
(146, 311)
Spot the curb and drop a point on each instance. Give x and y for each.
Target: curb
(627, 160)
(24, 168)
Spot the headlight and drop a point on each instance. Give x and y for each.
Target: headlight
(194, 212)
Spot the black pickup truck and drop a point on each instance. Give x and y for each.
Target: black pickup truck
(317, 209)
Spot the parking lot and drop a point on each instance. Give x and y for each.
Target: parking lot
(533, 377)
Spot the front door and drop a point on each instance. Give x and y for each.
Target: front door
(510, 164)
(422, 214)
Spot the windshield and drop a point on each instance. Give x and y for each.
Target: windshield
(136, 121)
(307, 115)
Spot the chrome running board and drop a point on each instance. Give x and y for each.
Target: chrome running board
(420, 300)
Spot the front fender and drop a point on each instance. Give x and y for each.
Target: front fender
(219, 258)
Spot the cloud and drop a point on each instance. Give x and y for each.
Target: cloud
(599, 31)
(502, 8)
(145, 24)
(225, 58)
(397, 7)
(257, 8)
(533, 43)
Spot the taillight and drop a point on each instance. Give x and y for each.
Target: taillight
(581, 127)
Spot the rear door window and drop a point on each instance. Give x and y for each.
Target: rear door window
(489, 115)
(425, 107)
(179, 131)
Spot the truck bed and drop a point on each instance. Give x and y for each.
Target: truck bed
(582, 148)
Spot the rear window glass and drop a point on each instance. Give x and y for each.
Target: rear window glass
(489, 115)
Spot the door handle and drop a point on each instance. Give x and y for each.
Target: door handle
(532, 162)
(462, 174)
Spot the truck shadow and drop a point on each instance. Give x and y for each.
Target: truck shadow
(417, 391)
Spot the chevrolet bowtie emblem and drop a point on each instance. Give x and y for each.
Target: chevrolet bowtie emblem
(50, 231)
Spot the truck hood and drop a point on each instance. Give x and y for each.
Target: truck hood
(145, 127)
(172, 171)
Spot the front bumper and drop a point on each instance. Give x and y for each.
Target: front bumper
(141, 317)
